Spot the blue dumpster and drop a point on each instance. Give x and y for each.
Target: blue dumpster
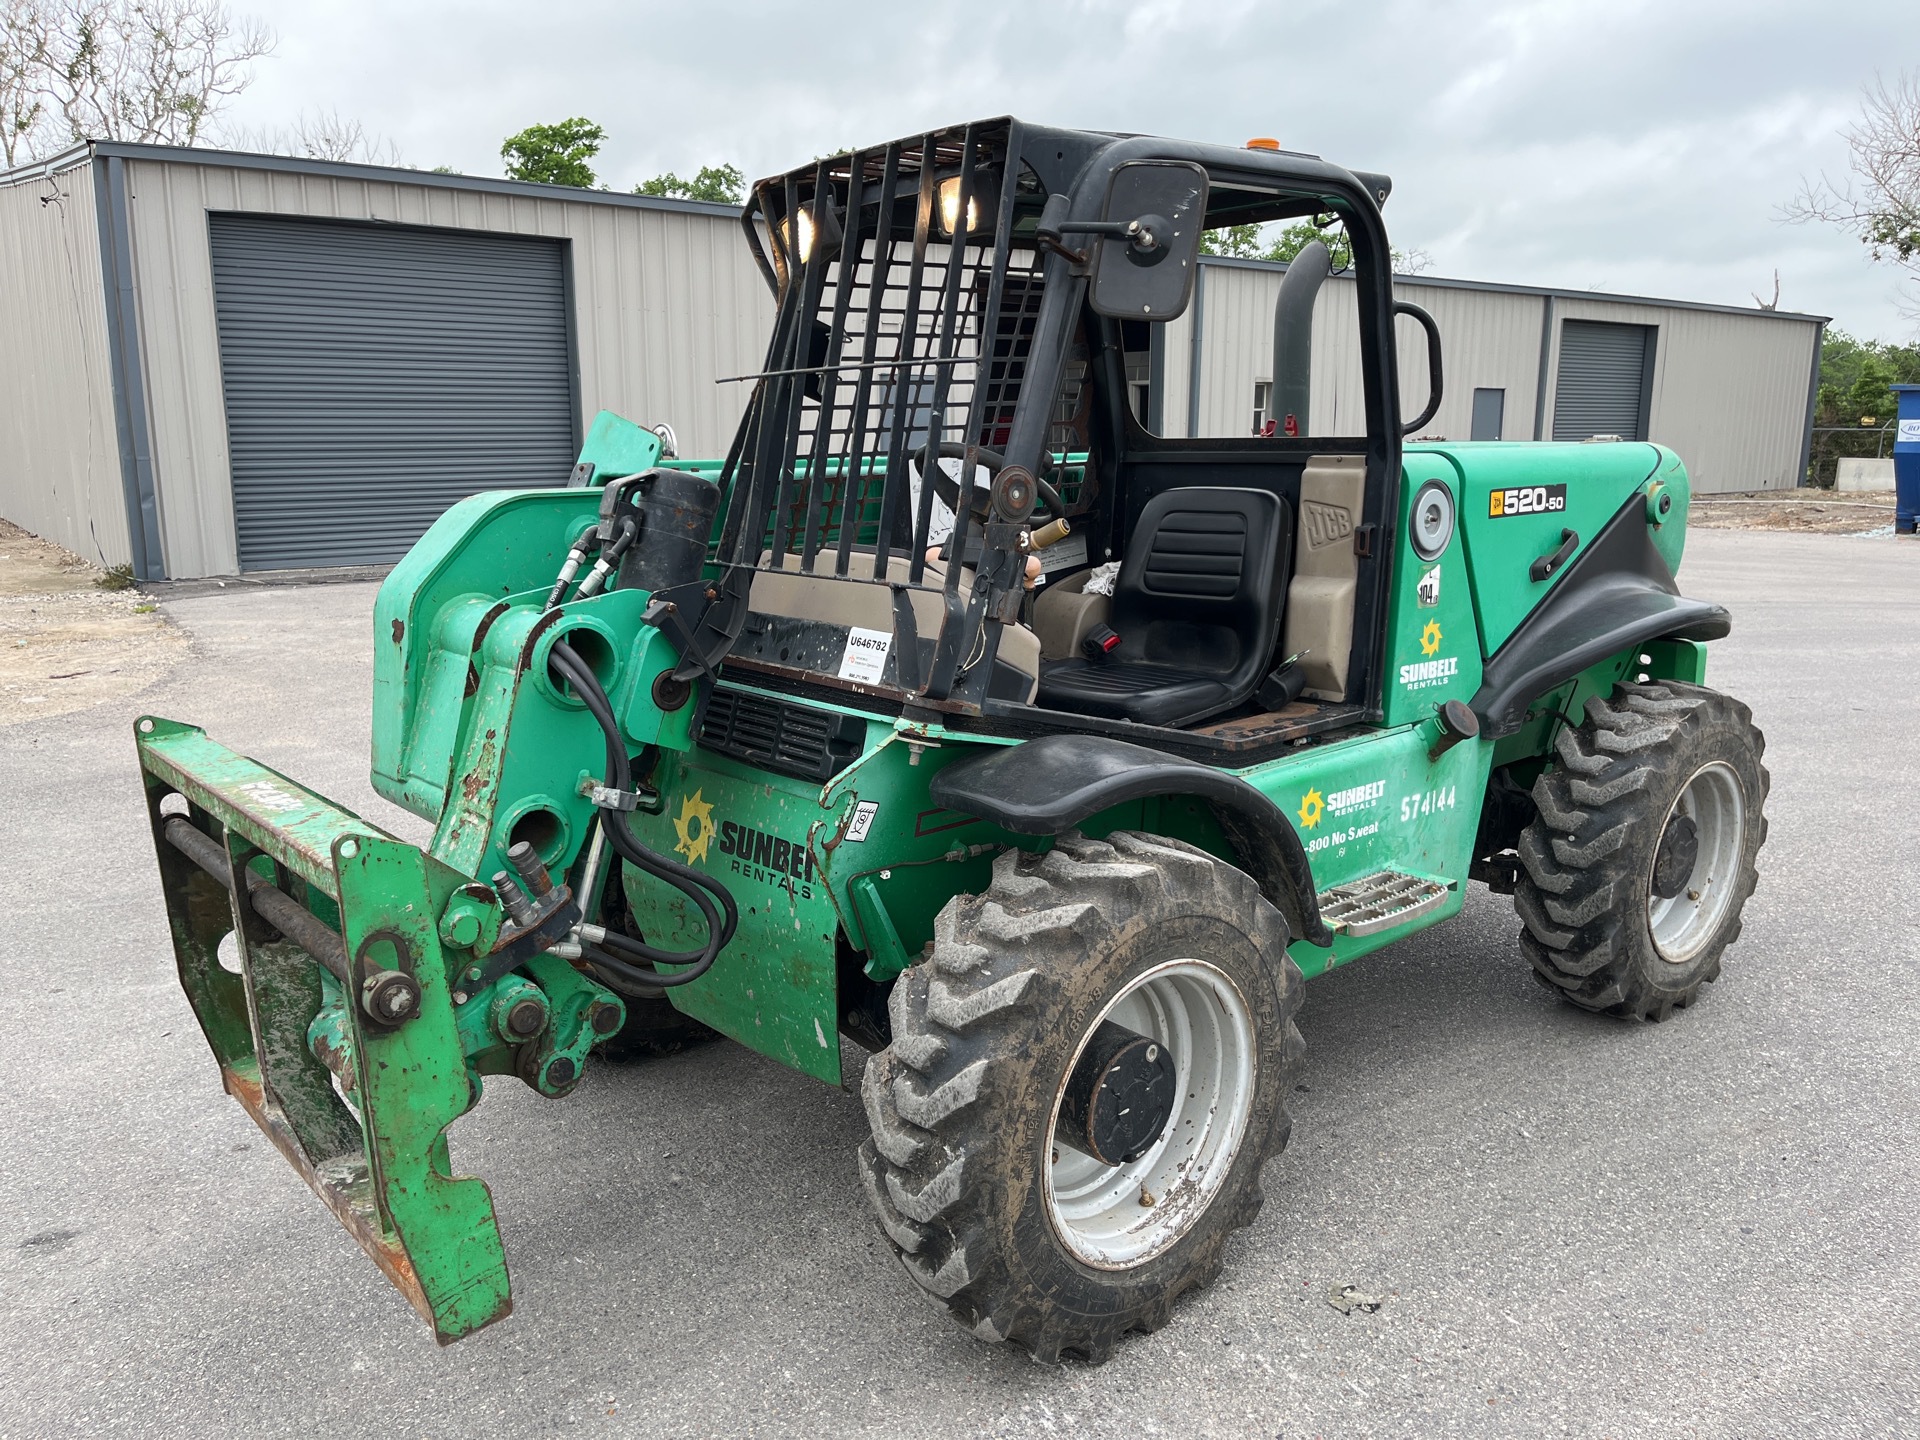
(1906, 460)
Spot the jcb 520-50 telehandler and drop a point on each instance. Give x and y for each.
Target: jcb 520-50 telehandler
(959, 716)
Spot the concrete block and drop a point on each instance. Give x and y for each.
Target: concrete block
(1857, 474)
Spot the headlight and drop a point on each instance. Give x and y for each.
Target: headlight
(805, 225)
(950, 207)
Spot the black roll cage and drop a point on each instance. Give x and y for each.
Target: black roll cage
(778, 514)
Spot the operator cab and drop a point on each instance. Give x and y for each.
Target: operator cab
(953, 490)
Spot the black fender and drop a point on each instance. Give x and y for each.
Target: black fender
(1619, 592)
(1048, 786)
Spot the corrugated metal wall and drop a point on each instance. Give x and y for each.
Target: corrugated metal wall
(59, 453)
(1729, 388)
(664, 301)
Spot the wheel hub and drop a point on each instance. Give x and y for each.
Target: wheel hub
(1697, 863)
(1178, 1118)
(1673, 862)
(1120, 1096)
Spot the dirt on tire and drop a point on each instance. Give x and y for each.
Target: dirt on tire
(1589, 859)
(985, 1029)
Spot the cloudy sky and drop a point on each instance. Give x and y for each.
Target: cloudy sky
(1622, 146)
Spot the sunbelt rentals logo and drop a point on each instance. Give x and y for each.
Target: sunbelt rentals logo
(1421, 674)
(694, 827)
(1315, 806)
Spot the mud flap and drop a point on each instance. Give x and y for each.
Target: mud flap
(381, 1163)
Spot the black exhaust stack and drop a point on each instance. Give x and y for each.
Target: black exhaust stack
(1293, 336)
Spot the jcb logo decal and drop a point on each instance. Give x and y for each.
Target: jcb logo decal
(1527, 500)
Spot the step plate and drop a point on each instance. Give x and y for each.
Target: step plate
(1379, 902)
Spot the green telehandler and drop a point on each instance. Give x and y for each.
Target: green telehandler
(959, 719)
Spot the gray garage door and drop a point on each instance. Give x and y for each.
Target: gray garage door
(375, 375)
(1605, 379)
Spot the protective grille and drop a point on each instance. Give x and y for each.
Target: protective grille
(890, 337)
(787, 739)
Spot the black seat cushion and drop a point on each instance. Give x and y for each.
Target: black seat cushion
(1197, 608)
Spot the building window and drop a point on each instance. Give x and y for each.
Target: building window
(1262, 405)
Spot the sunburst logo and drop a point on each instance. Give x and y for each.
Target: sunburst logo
(1312, 807)
(1430, 638)
(694, 827)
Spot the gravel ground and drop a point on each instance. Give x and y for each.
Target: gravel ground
(67, 644)
(1825, 512)
(1703, 1228)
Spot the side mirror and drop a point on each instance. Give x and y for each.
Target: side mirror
(1146, 248)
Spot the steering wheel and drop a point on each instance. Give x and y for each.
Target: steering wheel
(992, 461)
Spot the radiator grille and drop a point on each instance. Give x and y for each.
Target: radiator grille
(779, 736)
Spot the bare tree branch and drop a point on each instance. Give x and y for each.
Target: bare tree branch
(24, 116)
(152, 70)
(323, 135)
(1879, 203)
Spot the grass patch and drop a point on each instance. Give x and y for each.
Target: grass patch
(117, 577)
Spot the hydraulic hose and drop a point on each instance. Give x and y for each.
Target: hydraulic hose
(722, 919)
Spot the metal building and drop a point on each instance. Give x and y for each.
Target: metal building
(212, 362)
(215, 362)
(1732, 390)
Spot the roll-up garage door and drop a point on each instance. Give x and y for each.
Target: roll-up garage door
(1604, 379)
(374, 375)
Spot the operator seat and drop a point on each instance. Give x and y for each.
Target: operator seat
(1197, 608)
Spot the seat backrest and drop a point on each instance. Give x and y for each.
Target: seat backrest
(1201, 585)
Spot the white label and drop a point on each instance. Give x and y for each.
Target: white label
(866, 655)
(1429, 587)
(1068, 554)
(862, 821)
(1910, 432)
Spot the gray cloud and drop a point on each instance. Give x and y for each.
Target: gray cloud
(1637, 147)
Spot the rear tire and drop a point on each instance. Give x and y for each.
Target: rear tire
(1021, 1238)
(1636, 871)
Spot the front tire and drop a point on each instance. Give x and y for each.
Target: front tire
(1021, 1236)
(1636, 871)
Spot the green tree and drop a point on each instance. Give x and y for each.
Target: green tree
(1856, 380)
(1259, 242)
(554, 154)
(721, 184)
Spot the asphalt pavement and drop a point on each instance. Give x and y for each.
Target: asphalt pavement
(1709, 1227)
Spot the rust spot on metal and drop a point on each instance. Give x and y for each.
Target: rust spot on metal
(399, 631)
(473, 682)
(541, 626)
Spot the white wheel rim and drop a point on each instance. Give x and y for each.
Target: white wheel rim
(1100, 1212)
(1683, 925)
